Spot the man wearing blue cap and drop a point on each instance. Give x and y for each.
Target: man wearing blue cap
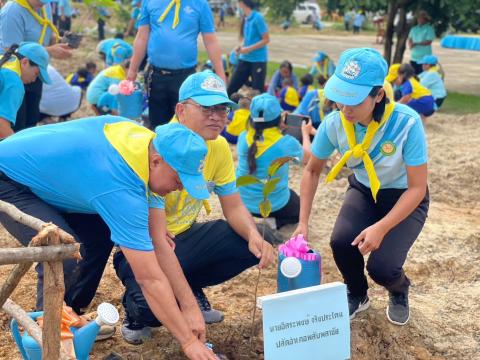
(106, 194)
(167, 34)
(386, 204)
(432, 78)
(18, 66)
(210, 252)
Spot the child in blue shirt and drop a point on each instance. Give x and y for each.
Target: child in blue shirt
(257, 147)
(307, 85)
(288, 96)
(83, 76)
(18, 66)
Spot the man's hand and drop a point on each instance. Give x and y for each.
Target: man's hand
(243, 50)
(59, 51)
(194, 318)
(171, 239)
(369, 239)
(196, 350)
(131, 74)
(261, 249)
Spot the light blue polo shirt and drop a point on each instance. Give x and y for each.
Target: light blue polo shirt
(420, 33)
(99, 86)
(252, 194)
(73, 167)
(255, 27)
(17, 25)
(175, 48)
(433, 82)
(11, 94)
(310, 106)
(67, 7)
(135, 15)
(400, 142)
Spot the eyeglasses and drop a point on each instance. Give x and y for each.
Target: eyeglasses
(211, 110)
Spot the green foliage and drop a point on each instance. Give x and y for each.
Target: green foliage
(269, 184)
(280, 9)
(95, 4)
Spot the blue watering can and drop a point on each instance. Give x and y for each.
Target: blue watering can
(83, 338)
(131, 106)
(294, 273)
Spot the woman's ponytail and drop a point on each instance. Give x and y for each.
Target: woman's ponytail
(8, 54)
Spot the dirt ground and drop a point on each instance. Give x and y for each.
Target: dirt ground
(443, 266)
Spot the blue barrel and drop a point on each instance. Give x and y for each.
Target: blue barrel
(310, 275)
(131, 106)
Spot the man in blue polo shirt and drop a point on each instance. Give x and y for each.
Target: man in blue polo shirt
(167, 34)
(98, 179)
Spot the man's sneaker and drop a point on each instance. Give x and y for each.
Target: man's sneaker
(135, 335)
(357, 304)
(398, 311)
(211, 316)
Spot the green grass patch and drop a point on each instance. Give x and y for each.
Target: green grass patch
(457, 103)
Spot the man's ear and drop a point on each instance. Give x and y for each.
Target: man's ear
(380, 95)
(180, 112)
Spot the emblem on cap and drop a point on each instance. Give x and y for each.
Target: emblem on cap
(212, 84)
(351, 70)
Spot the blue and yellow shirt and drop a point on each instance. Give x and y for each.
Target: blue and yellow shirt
(312, 105)
(100, 84)
(415, 89)
(400, 142)
(289, 98)
(182, 210)
(274, 146)
(195, 17)
(12, 90)
(96, 165)
(239, 122)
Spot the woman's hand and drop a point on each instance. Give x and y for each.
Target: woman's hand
(301, 229)
(370, 239)
(308, 129)
(196, 350)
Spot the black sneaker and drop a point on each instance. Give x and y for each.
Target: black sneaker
(211, 316)
(357, 304)
(398, 311)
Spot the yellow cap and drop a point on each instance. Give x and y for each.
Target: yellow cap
(393, 72)
(388, 91)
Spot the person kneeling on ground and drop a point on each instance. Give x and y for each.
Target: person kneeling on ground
(261, 144)
(386, 204)
(239, 121)
(18, 66)
(413, 94)
(432, 79)
(83, 76)
(210, 252)
(111, 168)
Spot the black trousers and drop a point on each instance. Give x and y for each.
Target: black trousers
(257, 71)
(82, 278)
(29, 112)
(289, 214)
(163, 93)
(101, 29)
(209, 253)
(65, 25)
(385, 265)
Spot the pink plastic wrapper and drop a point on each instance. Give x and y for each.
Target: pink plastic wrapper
(297, 247)
(126, 87)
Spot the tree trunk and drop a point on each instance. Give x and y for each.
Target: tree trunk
(402, 36)
(389, 31)
(39, 254)
(12, 281)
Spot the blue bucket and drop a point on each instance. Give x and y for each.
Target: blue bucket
(310, 275)
(131, 106)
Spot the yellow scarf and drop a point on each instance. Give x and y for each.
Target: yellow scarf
(325, 67)
(115, 72)
(13, 64)
(270, 136)
(360, 150)
(176, 19)
(43, 21)
(321, 101)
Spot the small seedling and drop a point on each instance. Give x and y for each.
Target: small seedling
(265, 207)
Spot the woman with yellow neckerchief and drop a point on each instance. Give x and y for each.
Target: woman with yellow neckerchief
(386, 204)
(19, 66)
(30, 20)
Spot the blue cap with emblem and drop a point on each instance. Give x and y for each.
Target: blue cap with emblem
(319, 56)
(185, 152)
(358, 71)
(265, 108)
(206, 89)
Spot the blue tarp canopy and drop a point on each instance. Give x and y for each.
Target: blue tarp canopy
(461, 42)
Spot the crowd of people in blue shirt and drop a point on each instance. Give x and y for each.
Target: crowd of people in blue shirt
(139, 184)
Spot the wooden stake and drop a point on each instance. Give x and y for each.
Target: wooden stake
(53, 293)
(23, 319)
(39, 254)
(12, 281)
